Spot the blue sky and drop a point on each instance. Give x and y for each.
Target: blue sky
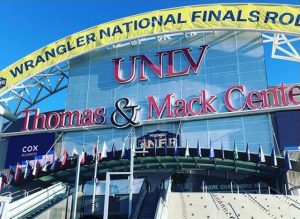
(29, 25)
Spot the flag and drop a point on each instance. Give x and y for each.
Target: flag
(261, 155)
(83, 157)
(98, 155)
(95, 152)
(222, 151)
(166, 149)
(45, 159)
(37, 168)
(28, 170)
(46, 167)
(235, 152)
(64, 159)
(155, 147)
(54, 166)
(74, 152)
(123, 152)
(3, 181)
(176, 151)
(287, 162)
(199, 153)
(211, 151)
(11, 176)
(104, 151)
(274, 158)
(113, 151)
(144, 147)
(248, 153)
(187, 150)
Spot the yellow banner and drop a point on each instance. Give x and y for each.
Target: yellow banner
(274, 18)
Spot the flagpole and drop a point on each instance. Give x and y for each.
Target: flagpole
(95, 177)
(274, 136)
(56, 140)
(74, 207)
(131, 176)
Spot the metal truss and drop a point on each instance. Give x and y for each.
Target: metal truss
(35, 89)
(39, 87)
(284, 47)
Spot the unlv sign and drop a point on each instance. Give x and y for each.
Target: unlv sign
(158, 68)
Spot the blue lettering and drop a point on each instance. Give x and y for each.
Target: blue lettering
(289, 16)
(104, 33)
(254, 16)
(229, 15)
(18, 69)
(117, 29)
(170, 19)
(271, 15)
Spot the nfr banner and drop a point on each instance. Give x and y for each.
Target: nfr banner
(30, 147)
(158, 139)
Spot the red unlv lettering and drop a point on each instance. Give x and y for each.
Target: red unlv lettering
(63, 119)
(260, 99)
(193, 65)
(181, 107)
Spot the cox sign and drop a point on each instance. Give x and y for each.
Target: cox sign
(30, 147)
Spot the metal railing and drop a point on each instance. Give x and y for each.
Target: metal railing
(291, 189)
(167, 198)
(16, 195)
(257, 202)
(139, 201)
(162, 206)
(6, 194)
(33, 190)
(287, 197)
(204, 186)
(278, 192)
(33, 197)
(35, 201)
(230, 205)
(292, 213)
(214, 201)
(237, 186)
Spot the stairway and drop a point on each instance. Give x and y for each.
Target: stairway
(148, 208)
(44, 206)
(222, 205)
(267, 212)
(183, 206)
(34, 204)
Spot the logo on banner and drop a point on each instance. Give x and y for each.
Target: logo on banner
(2, 82)
(30, 150)
(158, 139)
